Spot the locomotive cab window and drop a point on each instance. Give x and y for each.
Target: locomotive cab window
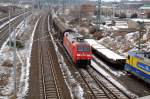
(83, 48)
(86, 48)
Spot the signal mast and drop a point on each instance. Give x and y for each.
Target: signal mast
(98, 15)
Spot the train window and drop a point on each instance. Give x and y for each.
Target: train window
(86, 48)
(83, 48)
(79, 49)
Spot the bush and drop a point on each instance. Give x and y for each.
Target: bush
(116, 15)
(134, 15)
(93, 30)
(122, 15)
(7, 63)
(19, 44)
(113, 22)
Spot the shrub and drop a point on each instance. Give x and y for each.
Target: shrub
(122, 15)
(134, 15)
(19, 44)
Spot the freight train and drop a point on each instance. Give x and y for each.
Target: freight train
(79, 50)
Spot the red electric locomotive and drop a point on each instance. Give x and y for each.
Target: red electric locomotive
(78, 49)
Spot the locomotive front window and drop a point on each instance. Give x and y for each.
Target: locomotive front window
(80, 49)
(86, 48)
(83, 49)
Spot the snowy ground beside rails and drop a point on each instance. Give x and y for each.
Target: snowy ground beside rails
(22, 62)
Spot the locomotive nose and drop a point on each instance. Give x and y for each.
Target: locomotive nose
(84, 56)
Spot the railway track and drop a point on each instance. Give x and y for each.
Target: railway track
(6, 18)
(48, 74)
(110, 90)
(47, 80)
(4, 31)
(49, 83)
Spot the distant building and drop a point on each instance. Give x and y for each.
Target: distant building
(144, 10)
(124, 0)
(88, 8)
(145, 7)
(146, 0)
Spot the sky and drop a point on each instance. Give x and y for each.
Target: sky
(114, 0)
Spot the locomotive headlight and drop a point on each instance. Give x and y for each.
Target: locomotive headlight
(88, 55)
(78, 55)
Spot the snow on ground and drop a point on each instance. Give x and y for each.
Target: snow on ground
(22, 63)
(24, 85)
(110, 78)
(122, 43)
(113, 71)
(6, 54)
(75, 88)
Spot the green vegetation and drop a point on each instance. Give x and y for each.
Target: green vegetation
(122, 15)
(134, 15)
(19, 44)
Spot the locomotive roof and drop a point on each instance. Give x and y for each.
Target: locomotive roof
(140, 55)
(75, 37)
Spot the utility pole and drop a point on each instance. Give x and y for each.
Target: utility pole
(58, 3)
(32, 7)
(9, 27)
(14, 60)
(24, 20)
(63, 6)
(78, 3)
(141, 30)
(99, 15)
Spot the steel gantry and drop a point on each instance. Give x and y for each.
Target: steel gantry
(98, 15)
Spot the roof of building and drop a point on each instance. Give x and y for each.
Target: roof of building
(145, 7)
